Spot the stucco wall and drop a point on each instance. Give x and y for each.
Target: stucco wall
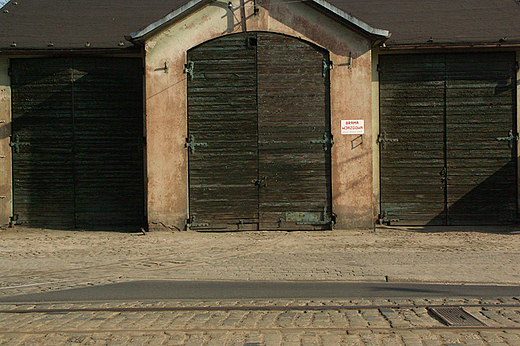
(518, 122)
(5, 150)
(166, 104)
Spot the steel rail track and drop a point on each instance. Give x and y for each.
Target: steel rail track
(260, 329)
(243, 308)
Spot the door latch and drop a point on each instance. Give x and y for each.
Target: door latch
(261, 182)
(511, 139)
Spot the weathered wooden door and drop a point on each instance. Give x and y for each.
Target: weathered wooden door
(77, 138)
(258, 134)
(42, 142)
(448, 139)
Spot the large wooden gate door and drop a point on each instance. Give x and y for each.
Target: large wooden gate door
(78, 142)
(448, 139)
(258, 134)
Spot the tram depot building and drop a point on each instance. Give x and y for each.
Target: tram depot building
(258, 114)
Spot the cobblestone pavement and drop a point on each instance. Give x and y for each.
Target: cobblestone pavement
(253, 323)
(36, 260)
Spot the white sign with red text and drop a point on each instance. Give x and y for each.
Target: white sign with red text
(352, 127)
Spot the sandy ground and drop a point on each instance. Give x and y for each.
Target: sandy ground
(34, 260)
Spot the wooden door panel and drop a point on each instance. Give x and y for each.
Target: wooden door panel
(222, 113)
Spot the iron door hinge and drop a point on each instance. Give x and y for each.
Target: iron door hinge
(384, 219)
(193, 223)
(511, 139)
(16, 144)
(327, 66)
(326, 141)
(189, 68)
(382, 139)
(191, 144)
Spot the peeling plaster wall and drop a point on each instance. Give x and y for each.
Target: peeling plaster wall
(166, 108)
(6, 209)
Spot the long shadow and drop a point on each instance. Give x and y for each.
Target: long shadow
(77, 137)
(492, 202)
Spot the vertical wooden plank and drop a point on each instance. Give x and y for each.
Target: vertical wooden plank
(412, 120)
(108, 146)
(480, 108)
(42, 123)
(293, 111)
(222, 112)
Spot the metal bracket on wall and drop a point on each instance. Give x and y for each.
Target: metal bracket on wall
(191, 144)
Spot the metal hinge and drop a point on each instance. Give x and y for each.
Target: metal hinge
(326, 141)
(193, 223)
(188, 69)
(16, 144)
(13, 220)
(327, 66)
(384, 220)
(512, 138)
(191, 144)
(381, 139)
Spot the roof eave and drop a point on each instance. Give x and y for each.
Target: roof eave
(423, 46)
(374, 33)
(190, 6)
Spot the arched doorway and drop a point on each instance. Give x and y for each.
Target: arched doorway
(259, 134)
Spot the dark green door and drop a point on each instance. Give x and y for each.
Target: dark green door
(77, 138)
(448, 139)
